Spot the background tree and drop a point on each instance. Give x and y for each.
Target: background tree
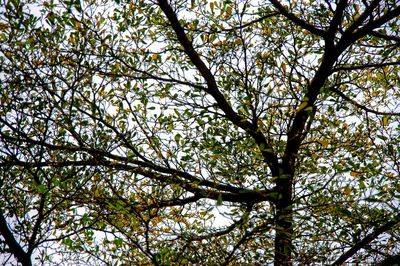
(130, 130)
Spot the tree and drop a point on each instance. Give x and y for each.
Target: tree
(200, 132)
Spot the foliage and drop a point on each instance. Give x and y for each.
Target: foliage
(199, 132)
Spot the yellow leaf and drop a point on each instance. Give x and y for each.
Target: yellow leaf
(154, 57)
(4, 26)
(375, 93)
(385, 120)
(302, 106)
(238, 41)
(347, 191)
(354, 174)
(267, 31)
(159, 154)
(324, 143)
(284, 68)
(356, 8)
(261, 124)
(220, 43)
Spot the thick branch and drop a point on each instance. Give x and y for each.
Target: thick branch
(212, 89)
(241, 195)
(212, 86)
(296, 132)
(189, 182)
(14, 246)
(337, 18)
(368, 12)
(366, 240)
(369, 27)
(390, 260)
(386, 37)
(296, 20)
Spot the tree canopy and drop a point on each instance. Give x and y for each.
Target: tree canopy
(198, 132)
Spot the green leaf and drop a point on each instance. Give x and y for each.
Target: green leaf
(177, 137)
(385, 120)
(219, 200)
(118, 241)
(362, 184)
(42, 189)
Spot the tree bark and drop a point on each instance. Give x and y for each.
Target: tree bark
(284, 221)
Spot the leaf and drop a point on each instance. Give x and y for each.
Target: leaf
(177, 137)
(41, 188)
(301, 106)
(219, 200)
(212, 7)
(347, 191)
(385, 121)
(354, 174)
(345, 211)
(118, 241)
(238, 41)
(154, 57)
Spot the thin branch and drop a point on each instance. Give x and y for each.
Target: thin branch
(385, 37)
(191, 184)
(248, 235)
(362, 107)
(241, 195)
(355, 67)
(37, 225)
(247, 24)
(119, 162)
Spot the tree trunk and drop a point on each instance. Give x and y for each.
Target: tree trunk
(284, 222)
